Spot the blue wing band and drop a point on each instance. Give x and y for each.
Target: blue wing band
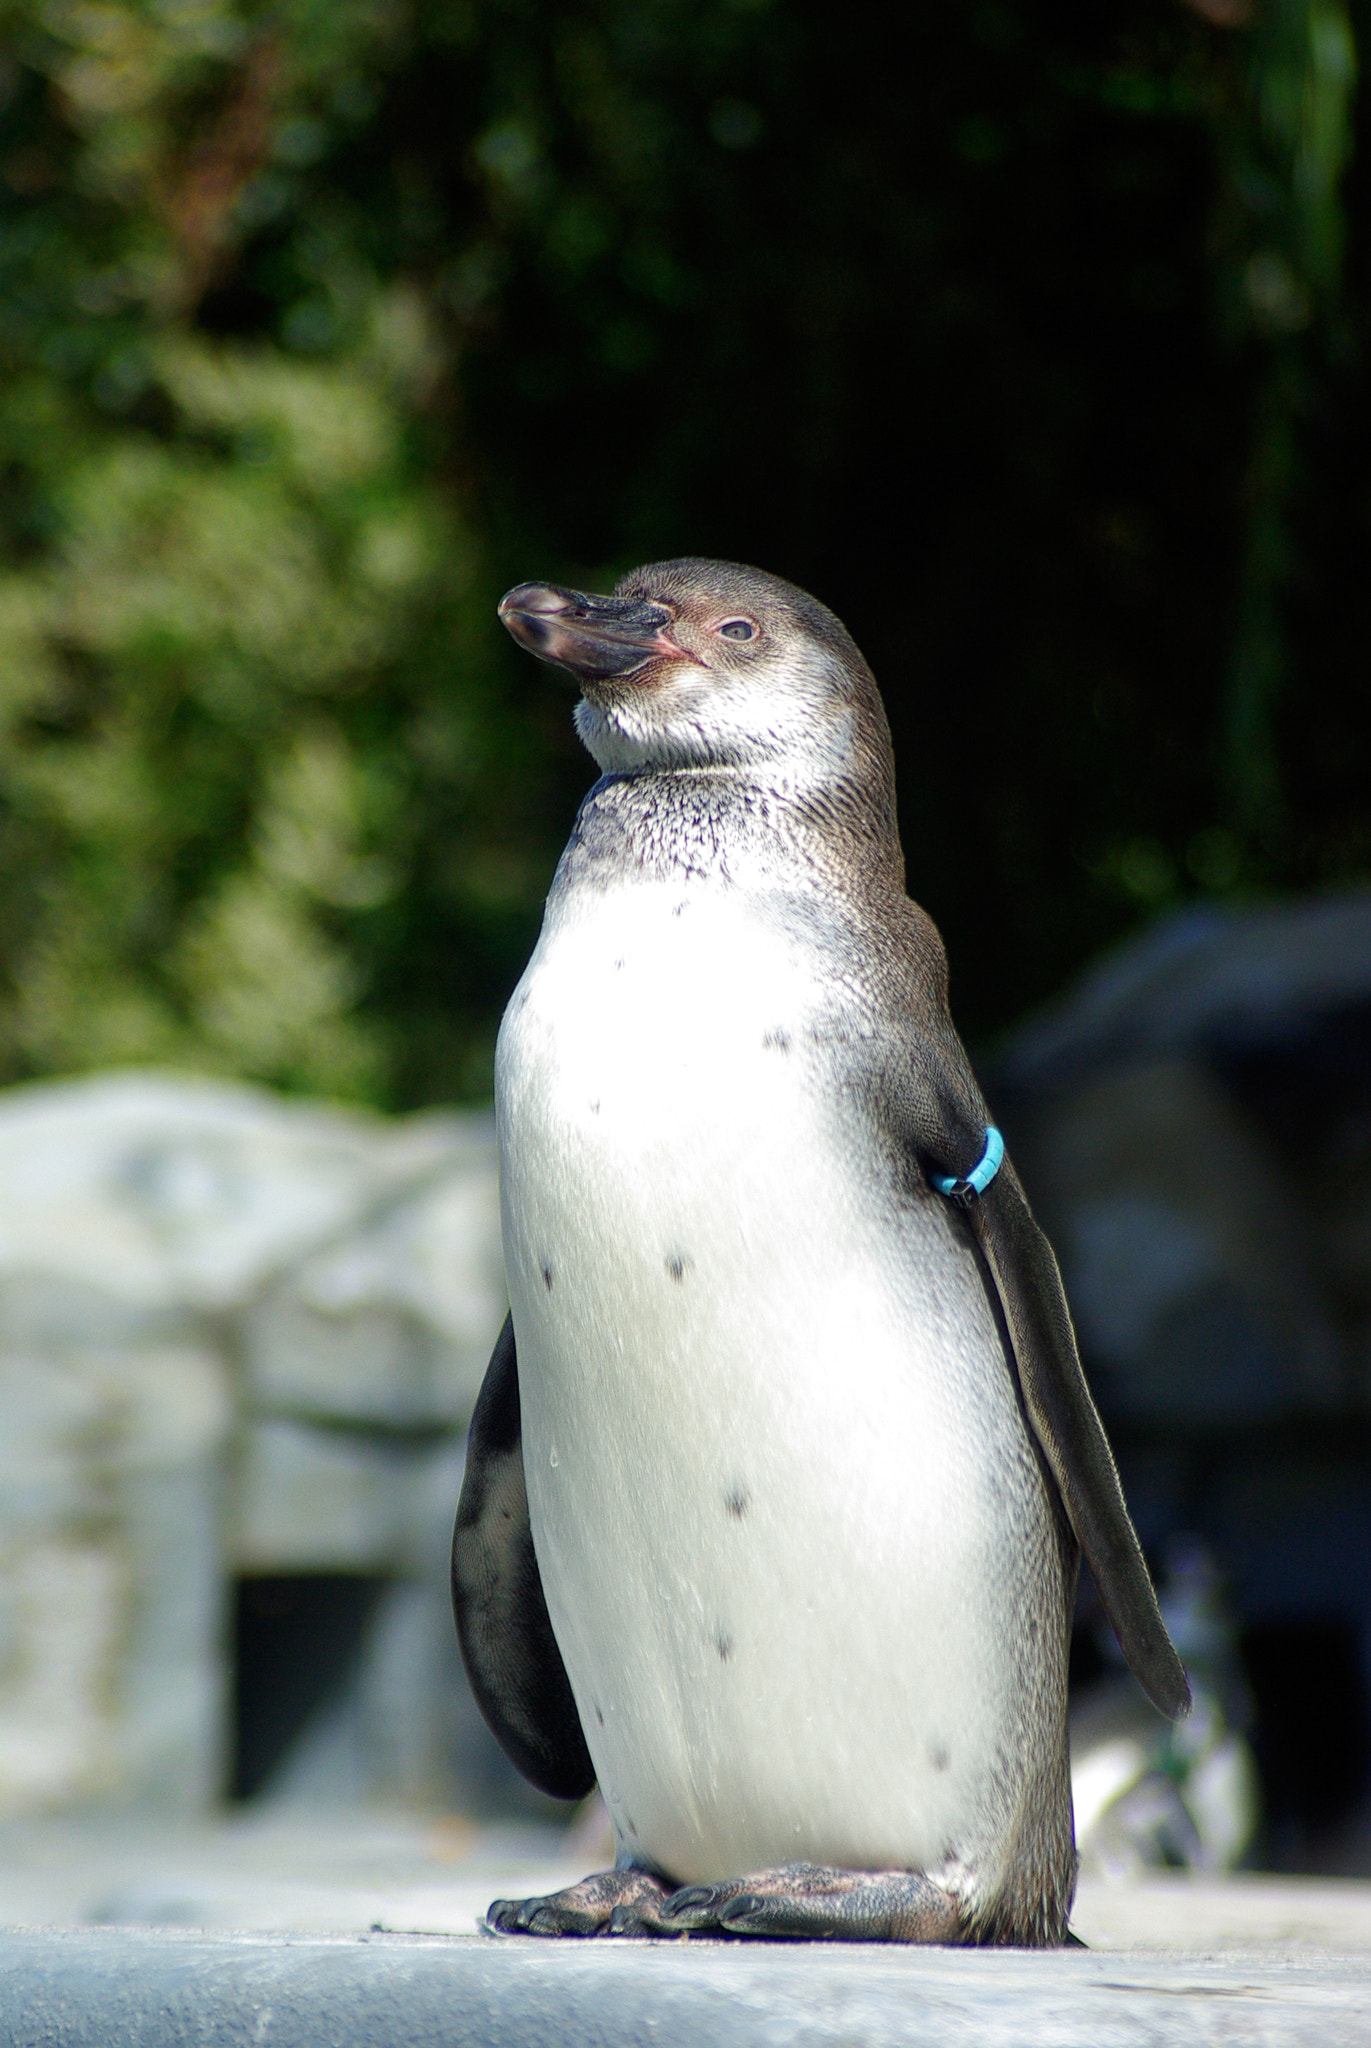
(978, 1180)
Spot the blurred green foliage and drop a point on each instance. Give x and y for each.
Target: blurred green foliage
(1032, 338)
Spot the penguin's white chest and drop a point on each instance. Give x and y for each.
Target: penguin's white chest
(785, 1512)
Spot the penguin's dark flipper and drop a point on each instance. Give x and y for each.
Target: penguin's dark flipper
(1068, 1427)
(508, 1647)
(940, 1114)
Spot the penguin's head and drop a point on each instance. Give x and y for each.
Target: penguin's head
(695, 664)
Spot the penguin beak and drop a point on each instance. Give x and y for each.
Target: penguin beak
(593, 637)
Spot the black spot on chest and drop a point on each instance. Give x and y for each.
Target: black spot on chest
(737, 1501)
(678, 1264)
(547, 1278)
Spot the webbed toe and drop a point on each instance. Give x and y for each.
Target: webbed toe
(611, 1902)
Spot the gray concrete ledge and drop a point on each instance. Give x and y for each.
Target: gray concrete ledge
(132, 1987)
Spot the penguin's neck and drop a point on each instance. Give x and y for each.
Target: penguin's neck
(732, 827)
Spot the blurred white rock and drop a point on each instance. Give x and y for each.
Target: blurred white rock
(391, 1320)
(238, 1336)
(172, 1193)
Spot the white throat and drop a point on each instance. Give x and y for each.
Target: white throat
(789, 717)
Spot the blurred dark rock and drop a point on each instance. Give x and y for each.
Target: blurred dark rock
(1211, 982)
(1182, 1247)
(1193, 1125)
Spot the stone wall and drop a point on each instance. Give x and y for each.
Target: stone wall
(240, 1337)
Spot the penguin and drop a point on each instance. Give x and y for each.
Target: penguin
(781, 1469)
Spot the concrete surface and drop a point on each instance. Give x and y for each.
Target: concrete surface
(140, 1988)
(363, 1932)
(302, 1873)
(288, 1874)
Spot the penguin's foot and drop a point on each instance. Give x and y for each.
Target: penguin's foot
(614, 1902)
(812, 1902)
(797, 1902)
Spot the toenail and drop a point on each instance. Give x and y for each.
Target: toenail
(687, 1901)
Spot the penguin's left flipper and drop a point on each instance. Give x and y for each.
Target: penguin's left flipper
(1068, 1427)
(945, 1119)
(508, 1647)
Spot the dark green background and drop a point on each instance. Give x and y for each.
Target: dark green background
(1030, 337)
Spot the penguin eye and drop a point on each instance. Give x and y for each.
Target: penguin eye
(738, 629)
